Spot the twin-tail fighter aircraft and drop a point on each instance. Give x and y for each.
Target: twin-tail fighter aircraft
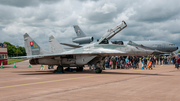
(93, 53)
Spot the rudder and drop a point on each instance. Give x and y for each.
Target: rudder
(32, 48)
(54, 46)
(78, 31)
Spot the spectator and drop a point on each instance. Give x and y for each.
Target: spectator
(152, 60)
(127, 59)
(134, 62)
(177, 62)
(173, 60)
(107, 62)
(168, 60)
(157, 60)
(110, 64)
(113, 59)
(1, 44)
(145, 62)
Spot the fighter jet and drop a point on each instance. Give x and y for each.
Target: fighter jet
(93, 53)
(162, 46)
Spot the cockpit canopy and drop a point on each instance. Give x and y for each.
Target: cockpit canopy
(118, 42)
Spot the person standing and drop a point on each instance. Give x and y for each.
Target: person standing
(177, 63)
(134, 62)
(168, 60)
(145, 62)
(113, 59)
(110, 64)
(107, 62)
(160, 60)
(152, 60)
(174, 60)
(157, 59)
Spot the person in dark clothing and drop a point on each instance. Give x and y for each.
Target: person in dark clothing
(145, 62)
(107, 62)
(135, 61)
(131, 60)
(1, 44)
(152, 60)
(174, 60)
(161, 59)
(157, 60)
(177, 63)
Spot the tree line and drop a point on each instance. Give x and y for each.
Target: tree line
(15, 50)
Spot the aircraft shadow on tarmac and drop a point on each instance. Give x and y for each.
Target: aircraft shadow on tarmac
(84, 72)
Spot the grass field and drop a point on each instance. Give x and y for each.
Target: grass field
(10, 61)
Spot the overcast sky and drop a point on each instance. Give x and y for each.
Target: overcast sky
(146, 19)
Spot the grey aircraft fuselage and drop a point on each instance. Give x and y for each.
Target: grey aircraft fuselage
(163, 46)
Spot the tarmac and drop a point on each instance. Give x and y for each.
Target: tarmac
(33, 83)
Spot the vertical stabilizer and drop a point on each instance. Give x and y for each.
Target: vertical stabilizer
(32, 48)
(78, 31)
(54, 45)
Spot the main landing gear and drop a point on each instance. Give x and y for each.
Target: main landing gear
(98, 70)
(74, 69)
(59, 69)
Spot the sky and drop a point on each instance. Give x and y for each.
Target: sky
(146, 20)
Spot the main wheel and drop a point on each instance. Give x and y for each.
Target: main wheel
(98, 70)
(59, 69)
(79, 68)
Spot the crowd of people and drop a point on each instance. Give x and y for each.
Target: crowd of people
(2, 45)
(126, 62)
(122, 62)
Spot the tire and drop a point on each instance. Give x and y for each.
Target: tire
(59, 70)
(98, 70)
(79, 68)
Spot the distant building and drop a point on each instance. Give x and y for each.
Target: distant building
(3, 54)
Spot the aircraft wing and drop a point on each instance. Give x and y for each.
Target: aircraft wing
(113, 32)
(100, 51)
(71, 45)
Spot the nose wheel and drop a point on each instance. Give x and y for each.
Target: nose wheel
(98, 70)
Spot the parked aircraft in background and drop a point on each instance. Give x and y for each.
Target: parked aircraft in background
(157, 45)
(93, 53)
(163, 46)
(81, 37)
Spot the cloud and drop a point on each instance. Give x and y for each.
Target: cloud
(146, 20)
(156, 11)
(26, 3)
(106, 8)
